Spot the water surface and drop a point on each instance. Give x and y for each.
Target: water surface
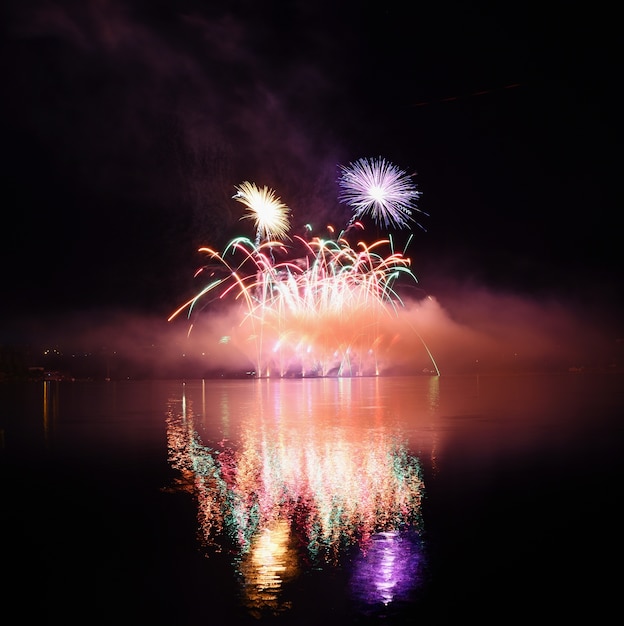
(363, 500)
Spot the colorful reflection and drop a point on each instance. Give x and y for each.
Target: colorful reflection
(301, 492)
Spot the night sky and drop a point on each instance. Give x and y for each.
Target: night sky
(127, 125)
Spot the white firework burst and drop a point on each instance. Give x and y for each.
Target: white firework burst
(381, 189)
(271, 216)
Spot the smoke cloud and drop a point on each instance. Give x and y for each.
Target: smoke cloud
(485, 333)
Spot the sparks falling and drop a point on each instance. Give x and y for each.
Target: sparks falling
(318, 306)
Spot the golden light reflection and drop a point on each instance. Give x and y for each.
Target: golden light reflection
(271, 563)
(50, 406)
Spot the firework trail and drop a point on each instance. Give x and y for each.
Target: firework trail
(381, 189)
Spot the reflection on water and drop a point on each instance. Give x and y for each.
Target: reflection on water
(50, 406)
(520, 474)
(389, 570)
(270, 563)
(303, 482)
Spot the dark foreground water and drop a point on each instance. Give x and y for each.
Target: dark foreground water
(494, 499)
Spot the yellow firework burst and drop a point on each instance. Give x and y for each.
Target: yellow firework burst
(271, 216)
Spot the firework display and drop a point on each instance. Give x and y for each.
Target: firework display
(315, 306)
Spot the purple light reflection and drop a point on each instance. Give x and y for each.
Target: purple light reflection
(389, 570)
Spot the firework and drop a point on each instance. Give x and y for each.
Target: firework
(381, 189)
(270, 214)
(318, 306)
(319, 315)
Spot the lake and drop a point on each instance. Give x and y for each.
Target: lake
(371, 500)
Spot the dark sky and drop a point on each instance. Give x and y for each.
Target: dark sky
(127, 125)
